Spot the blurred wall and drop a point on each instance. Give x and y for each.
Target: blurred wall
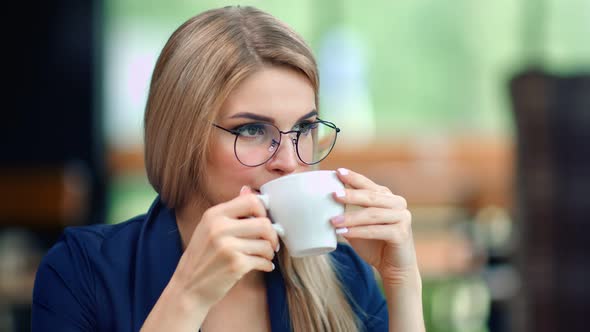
(52, 164)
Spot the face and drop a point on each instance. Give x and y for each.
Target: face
(277, 95)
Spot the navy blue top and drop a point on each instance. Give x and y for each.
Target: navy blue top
(108, 278)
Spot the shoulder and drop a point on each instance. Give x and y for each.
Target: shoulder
(350, 267)
(65, 292)
(361, 287)
(78, 242)
(82, 251)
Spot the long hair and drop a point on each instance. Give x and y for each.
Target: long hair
(202, 62)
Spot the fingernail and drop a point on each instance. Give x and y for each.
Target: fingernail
(244, 189)
(343, 171)
(342, 230)
(340, 193)
(273, 266)
(338, 220)
(278, 247)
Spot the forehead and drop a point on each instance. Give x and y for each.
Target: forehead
(278, 92)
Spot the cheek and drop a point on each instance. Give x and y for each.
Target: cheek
(226, 176)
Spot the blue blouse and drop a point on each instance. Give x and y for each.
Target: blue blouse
(108, 278)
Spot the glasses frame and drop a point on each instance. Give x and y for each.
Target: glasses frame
(294, 140)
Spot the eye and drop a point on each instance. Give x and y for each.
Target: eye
(252, 130)
(305, 127)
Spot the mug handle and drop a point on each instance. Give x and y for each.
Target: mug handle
(278, 228)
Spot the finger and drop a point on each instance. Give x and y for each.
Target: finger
(255, 228)
(371, 216)
(370, 198)
(245, 190)
(254, 247)
(243, 206)
(257, 263)
(395, 233)
(358, 181)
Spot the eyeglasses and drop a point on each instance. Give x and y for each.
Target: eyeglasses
(257, 143)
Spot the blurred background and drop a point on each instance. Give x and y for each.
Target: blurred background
(478, 112)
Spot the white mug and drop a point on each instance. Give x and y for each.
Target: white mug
(300, 206)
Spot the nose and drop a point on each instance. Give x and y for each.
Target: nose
(285, 161)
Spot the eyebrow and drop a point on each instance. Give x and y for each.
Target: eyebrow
(258, 117)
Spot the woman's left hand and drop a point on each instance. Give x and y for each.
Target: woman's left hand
(380, 232)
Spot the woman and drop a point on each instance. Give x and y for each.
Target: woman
(204, 254)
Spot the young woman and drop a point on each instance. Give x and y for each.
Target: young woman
(233, 103)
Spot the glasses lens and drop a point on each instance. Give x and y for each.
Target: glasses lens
(256, 143)
(316, 141)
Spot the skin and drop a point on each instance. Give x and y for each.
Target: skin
(228, 238)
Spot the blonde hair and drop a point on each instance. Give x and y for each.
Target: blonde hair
(202, 62)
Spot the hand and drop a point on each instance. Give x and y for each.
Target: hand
(381, 231)
(232, 239)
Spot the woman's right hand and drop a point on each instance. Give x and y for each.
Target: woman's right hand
(232, 239)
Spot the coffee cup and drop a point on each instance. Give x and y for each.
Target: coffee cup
(300, 206)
